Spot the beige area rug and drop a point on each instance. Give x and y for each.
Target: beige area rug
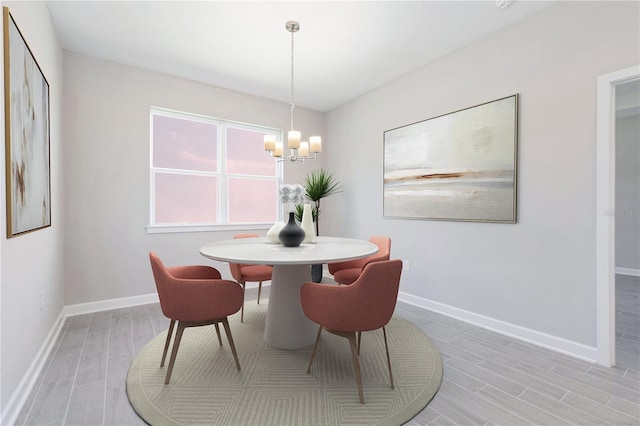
(273, 387)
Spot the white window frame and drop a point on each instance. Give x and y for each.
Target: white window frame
(222, 177)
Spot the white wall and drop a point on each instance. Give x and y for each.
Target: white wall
(106, 156)
(539, 273)
(32, 263)
(628, 193)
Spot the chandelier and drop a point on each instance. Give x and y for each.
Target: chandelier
(298, 150)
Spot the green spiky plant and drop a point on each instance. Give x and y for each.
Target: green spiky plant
(318, 184)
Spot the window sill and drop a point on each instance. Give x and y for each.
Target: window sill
(171, 229)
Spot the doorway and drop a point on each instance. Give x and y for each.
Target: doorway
(608, 85)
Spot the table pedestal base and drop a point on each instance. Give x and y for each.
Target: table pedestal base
(287, 327)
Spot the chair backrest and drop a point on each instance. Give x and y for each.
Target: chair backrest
(160, 272)
(236, 268)
(162, 278)
(384, 249)
(237, 236)
(198, 295)
(383, 253)
(376, 293)
(367, 304)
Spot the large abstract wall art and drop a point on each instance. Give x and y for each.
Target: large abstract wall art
(26, 135)
(459, 166)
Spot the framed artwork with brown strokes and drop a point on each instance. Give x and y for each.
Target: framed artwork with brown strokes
(27, 135)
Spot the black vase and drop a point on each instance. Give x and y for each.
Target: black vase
(291, 235)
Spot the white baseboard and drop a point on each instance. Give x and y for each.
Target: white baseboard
(105, 305)
(12, 409)
(628, 271)
(558, 344)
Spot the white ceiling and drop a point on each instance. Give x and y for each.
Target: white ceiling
(343, 49)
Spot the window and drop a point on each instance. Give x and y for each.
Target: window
(208, 172)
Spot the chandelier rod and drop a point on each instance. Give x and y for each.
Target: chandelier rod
(298, 150)
(292, 27)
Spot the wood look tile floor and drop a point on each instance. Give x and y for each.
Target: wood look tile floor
(489, 379)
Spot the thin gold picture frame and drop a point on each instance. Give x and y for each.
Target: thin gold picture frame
(27, 135)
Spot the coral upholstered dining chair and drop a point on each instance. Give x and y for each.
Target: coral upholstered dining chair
(194, 296)
(365, 305)
(349, 271)
(249, 273)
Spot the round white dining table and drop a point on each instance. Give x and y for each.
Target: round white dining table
(286, 325)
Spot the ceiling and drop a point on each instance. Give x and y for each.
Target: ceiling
(343, 49)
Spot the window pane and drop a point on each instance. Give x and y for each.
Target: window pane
(252, 200)
(246, 154)
(185, 199)
(184, 144)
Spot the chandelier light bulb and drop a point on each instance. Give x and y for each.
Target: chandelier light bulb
(278, 150)
(304, 149)
(293, 139)
(315, 144)
(269, 142)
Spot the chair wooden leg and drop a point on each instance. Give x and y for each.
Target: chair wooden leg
(242, 309)
(218, 333)
(227, 330)
(166, 344)
(315, 347)
(174, 352)
(356, 363)
(359, 341)
(259, 291)
(384, 333)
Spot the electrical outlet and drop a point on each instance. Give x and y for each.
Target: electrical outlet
(406, 265)
(41, 301)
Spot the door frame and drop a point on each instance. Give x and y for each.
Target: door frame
(605, 210)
